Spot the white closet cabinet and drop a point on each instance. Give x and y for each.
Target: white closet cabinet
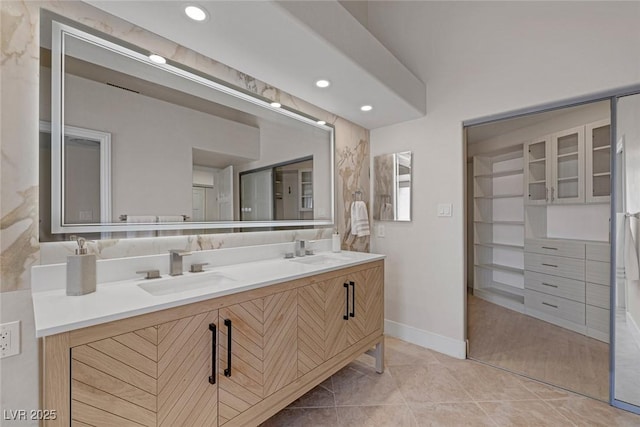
(555, 168)
(598, 164)
(567, 166)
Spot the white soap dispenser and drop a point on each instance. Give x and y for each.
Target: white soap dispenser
(335, 242)
(81, 271)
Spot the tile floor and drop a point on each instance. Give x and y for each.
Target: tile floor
(423, 388)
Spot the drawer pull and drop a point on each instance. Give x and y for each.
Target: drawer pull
(550, 248)
(353, 299)
(227, 371)
(346, 302)
(550, 305)
(549, 265)
(212, 378)
(550, 285)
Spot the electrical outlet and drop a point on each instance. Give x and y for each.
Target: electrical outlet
(380, 232)
(9, 339)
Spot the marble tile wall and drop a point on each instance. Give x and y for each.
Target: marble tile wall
(19, 60)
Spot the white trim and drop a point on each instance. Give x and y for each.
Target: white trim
(104, 139)
(430, 340)
(59, 31)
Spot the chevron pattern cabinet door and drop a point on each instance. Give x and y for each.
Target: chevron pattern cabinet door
(368, 304)
(185, 396)
(245, 387)
(280, 340)
(335, 307)
(114, 381)
(311, 327)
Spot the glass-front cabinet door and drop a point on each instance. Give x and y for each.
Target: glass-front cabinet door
(567, 166)
(537, 173)
(598, 170)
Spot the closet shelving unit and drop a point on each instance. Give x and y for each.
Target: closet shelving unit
(498, 224)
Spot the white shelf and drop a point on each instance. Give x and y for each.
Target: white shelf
(602, 174)
(501, 174)
(604, 147)
(501, 196)
(574, 153)
(569, 178)
(500, 267)
(538, 160)
(542, 181)
(501, 246)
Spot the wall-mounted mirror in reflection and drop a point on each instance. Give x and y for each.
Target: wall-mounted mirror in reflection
(179, 144)
(392, 187)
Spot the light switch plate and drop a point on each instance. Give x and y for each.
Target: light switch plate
(445, 209)
(380, 230)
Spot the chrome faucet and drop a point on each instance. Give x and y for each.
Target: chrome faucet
(300, 250)
(175, 261)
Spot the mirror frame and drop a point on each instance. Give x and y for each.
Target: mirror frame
(58, 226)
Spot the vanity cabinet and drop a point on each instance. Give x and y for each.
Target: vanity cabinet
(146, 377)
(235, 360)
(258, 345)
(336, 314)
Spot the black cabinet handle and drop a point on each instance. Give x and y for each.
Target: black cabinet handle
(549, 265)
(227, 371)
(346, 302)
(213, 329)
(353, 299)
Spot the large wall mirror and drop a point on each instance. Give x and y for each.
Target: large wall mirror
(131, 145)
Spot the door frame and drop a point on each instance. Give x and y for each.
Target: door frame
(612, 95)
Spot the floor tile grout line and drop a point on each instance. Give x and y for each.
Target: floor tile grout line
(404, 399)
(486, 413)
(558, 412)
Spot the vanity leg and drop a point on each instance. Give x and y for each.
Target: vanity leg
(378, 354)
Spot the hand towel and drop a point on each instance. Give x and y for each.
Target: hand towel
(141, 219)
(359, 219)
(170, 218)
(630, 253)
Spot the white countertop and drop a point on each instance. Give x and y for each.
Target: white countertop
(55, 312)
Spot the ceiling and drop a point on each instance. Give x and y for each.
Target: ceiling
(290, 45)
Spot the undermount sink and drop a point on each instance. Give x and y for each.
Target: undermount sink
(322, 259)
(189, 282)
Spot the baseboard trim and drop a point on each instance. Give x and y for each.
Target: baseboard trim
(430, 340)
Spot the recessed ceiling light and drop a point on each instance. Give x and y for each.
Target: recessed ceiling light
(276, 104)
(322, 122)
(366, 108)
(157, 59)
(196, 13)
(323, 83)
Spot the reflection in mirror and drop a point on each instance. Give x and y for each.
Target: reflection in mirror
(627, 290)
(392, 187)
(139, 146)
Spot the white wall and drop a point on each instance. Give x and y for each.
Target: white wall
(150, 138)
(477, 59)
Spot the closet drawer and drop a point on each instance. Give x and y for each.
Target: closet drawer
(559, 307)
(598, 272)
(554, 285)
(598, 295)
(598, 252)
(598, 319)
(555, 247)
(556, 266)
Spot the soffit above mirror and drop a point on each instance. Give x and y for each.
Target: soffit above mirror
(291, 45)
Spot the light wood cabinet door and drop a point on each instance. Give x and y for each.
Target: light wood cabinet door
(114, 380)
(366, 313)
(157, 376)
(322, 322)
(187, 389)
(257, 351)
